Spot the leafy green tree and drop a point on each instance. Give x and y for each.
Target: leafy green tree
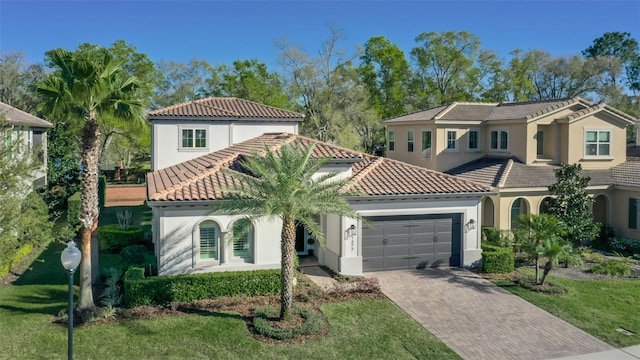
(571, 203)
(330, 93)
(90, 85)
(249, 80)
(179, 82)
(282, 187)
(542, 234)
(24, 217)
(445, 67)
(17, 78)
(618, 48)
(386, 75)
(63, 163)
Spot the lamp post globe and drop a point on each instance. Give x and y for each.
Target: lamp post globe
(70, 259)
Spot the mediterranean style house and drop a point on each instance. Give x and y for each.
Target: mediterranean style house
(29, 130)
(417, 217)
(515, 147)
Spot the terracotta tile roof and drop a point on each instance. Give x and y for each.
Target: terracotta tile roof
(511, 173)
(20, 118)
(633, 151)
(531, 109)
(202, 178)
(428, 114)
(224, 108)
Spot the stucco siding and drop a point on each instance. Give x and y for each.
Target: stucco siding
(620, 217)
(618, 146)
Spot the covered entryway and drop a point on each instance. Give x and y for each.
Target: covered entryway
(601, 210)
(413, 241)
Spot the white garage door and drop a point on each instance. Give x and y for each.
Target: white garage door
(405, 242)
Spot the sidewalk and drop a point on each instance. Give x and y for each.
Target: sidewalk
(628, 353)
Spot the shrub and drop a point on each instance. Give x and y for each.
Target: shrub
(113, 239)
(74, 209)
(497, 259)
(16, 258)
(161, 290)
(102, 190)
(312, 324)
(497, 237)
(529, 283)
(626, 247)
(111, 295)
(613, 267)
(592, 257)
(134, 254)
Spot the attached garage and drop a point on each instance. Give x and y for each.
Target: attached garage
(406, 242)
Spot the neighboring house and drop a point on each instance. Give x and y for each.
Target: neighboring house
(416, 216)
(31, 131)
(515, 148)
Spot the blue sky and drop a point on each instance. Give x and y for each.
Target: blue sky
(221, 32)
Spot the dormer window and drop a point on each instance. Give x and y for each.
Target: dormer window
(597, 143)
(193, 138)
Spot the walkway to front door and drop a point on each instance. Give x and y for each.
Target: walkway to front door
(480, 320)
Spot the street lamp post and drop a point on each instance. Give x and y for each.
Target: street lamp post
(70, 259)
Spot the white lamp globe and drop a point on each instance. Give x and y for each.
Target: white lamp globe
(70, 256)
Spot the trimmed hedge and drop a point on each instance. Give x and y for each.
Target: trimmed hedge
(113, 239)
(497, 259)
(161, 290)
(74, 209)
(17, 257)
(102, 190)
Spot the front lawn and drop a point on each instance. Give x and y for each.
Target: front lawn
(375, 329)
(598, 307)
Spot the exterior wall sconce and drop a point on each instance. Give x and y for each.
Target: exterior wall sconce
(470, 225)
(352, 230)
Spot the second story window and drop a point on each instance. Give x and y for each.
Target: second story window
(452, 139)
(597, 143)
(473, 140)
(410, 141)
(426, 144)
(392, 140)
(499, 140)
(194, 138)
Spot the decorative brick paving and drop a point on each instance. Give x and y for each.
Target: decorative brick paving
(480, 320)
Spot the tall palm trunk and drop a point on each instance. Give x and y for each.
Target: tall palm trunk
(89, 217)
(287, 244)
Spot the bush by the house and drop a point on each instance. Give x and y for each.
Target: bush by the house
(74, 209)
(496, 259)
(497, 237)
(113, 238)
(161, 290)
(624, 246)
(135, 254)
(16, 258)
(312, 324)
(613, 267)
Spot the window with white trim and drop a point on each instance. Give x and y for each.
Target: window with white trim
(193, 138)
(634, 214)
(243, 240)
(452, 139)
(474, 140)
(392, 140)
(426, 144)
(597, 143)
(208, 239)
(410, 139)
(499, 140)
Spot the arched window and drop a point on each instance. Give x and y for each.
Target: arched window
(243, 240)
(209, 240)
(519, 207)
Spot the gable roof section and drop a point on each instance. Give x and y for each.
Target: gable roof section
(203, 179)
(528, 111)
(506, 173)
(222, 108)
(20, 118)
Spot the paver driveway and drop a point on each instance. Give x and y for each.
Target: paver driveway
(479, 320)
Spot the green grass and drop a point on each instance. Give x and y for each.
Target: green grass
(375, 329)
(598, 307)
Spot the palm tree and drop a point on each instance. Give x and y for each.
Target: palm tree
(543, 236)
(89, 85)
(282, 186)
(553, 249)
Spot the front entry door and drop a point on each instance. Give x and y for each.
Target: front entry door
(301, 240)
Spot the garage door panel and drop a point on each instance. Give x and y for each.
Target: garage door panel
(410, 242)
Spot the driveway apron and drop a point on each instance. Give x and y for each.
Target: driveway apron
(480, 320)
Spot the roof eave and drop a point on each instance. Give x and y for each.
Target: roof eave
(152, 118)
(468, 195)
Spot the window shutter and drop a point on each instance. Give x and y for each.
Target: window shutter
(633, 213)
